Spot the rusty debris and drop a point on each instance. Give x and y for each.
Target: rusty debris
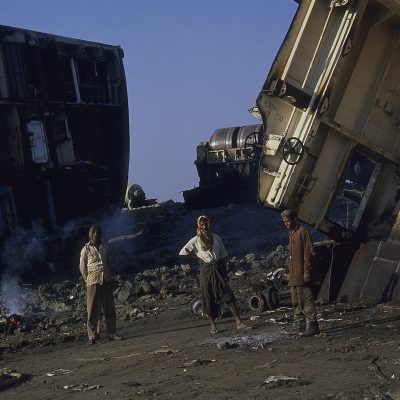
(13, 322)
(10, 377)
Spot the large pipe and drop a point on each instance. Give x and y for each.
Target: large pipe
(235, 137)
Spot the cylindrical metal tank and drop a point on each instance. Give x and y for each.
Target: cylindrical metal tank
(224, 138)
(245, 131)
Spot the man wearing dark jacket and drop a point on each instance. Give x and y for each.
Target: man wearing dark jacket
(301, 263)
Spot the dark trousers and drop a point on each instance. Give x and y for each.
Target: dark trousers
(98, 297)
(215, 291)
(303, 303)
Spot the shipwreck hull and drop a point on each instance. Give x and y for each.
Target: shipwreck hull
(64, 128)
(331, 110)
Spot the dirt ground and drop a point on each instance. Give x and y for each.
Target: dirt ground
(172, 355)
(167, 351)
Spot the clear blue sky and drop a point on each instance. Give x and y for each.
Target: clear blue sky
(192, 66)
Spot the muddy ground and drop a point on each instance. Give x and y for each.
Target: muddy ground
(172, 355)
(167, 351)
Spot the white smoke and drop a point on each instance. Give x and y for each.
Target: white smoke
(15, 298)
(24, 248)
(21, 253)
(34, 252)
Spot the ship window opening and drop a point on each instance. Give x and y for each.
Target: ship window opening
(38, 142)
(61, 131)
(35, 83)
(3, 83)
(66, 77)
(7, 222)
(353, 192)
(15, 69)
(92, 77)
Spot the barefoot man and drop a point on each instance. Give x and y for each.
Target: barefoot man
(207, 248)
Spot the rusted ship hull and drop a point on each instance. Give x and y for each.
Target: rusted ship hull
(64, 128)
(331, 110)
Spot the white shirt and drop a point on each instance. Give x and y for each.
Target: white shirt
(95, 264)
(193, 246)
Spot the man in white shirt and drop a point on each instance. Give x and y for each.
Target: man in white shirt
(95, 269)
(207, 248)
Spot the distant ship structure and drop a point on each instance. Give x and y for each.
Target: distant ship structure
(64, 128)
(227, 166)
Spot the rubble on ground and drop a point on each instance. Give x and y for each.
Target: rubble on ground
(9, 377)
(157, 278)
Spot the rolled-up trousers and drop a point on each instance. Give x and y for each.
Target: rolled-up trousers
(100, 297)
(303, 303)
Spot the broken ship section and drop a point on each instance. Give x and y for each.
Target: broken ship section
(227, 165)
(331, 110)
(64, 128)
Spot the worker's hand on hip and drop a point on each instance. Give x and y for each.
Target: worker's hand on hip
(306, 278)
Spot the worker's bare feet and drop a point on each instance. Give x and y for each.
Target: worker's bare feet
(213, 330)
(242, 327)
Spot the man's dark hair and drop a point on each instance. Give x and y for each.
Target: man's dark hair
(94, 228)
